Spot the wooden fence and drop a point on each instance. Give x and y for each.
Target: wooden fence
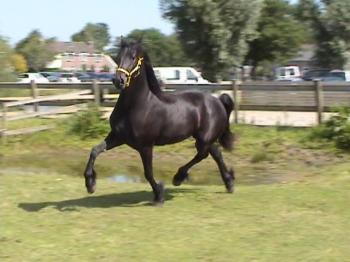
(314, 96)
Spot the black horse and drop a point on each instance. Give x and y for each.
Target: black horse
(145, 116)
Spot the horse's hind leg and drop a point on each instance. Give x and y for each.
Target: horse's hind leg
(226, 175)
(182, 173)
(110, 142)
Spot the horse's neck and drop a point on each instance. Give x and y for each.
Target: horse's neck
(137, 93)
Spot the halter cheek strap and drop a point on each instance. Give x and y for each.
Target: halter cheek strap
(129, 74)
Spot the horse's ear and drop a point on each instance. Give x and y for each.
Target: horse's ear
(123, 42)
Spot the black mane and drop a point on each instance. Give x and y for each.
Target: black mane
(153, 82)
(151, 77)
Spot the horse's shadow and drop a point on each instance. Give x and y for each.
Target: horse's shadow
(129, 199)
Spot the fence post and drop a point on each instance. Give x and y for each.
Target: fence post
(34, 89)
(97, 92)
(319, 100)
(4, 123)
(235, 100)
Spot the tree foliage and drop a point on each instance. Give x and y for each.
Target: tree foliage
(6, 70)
(330, 22)
(97, 33)
(163, 50)
(280, 34)
(35, 49)
(214, 32)
(19, 63)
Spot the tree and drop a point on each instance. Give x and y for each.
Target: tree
(97, 33)
(19, 63)
(214, 33)
(35, 49)
(163, 50)
(280, 35)
(6, 70)
(330, 21)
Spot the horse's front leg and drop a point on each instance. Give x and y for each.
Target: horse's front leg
(110, 142)
(146, 154)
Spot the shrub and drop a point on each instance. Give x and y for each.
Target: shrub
(88, 123)
(336, 129)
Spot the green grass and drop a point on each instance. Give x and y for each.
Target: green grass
(291, 201)
(49, 217)
(262, 155)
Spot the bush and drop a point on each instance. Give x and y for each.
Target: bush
(336, 129)
(88, 123)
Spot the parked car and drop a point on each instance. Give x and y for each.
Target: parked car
(84, 76)
(104, 77)
(51, 76)
(337, 76)
(314, 74)
(28, 77)
(68, 78)
(179, 75)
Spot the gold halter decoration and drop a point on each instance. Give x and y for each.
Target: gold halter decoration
(129, 74)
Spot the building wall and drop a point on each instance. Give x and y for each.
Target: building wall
(83, 62)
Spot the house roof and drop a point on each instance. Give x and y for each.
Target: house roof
(306, 53)
(72, 47)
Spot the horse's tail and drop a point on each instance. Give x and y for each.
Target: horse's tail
(227, 138)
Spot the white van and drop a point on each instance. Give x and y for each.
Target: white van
(288, 73)
(28, 77)
(179, 75)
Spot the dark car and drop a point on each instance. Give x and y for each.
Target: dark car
(104, 77)
(315, 74)
(100, 77)
(86, 76)
(51, 76)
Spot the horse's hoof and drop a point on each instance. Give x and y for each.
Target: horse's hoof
(229, 182)
(91, 186)
(230, 189)
(90, 182)
(159, 197)
(179, 178)
(157, 203)
(176, 182)
(91, 189)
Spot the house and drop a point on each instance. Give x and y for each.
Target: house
(79, 56)
(305, 58)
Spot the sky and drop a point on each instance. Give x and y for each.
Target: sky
(63, 18)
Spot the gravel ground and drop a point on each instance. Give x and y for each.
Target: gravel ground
(272, 118)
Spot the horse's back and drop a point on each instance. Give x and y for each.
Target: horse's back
(203, 114)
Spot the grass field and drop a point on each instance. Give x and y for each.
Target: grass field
(49, 217)
(291, 202)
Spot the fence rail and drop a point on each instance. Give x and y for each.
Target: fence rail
(314, 96)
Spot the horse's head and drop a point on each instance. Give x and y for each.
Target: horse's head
(129, 61)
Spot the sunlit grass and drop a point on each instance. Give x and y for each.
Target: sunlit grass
(50, 217)
(261, 155)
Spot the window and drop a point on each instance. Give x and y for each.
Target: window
(172, 75)
(291, 72)
(190, 75)
(23, 76)
(282, 72)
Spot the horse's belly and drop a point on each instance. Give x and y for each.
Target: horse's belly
(165, 139)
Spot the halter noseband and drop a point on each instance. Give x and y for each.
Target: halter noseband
(128, 73)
